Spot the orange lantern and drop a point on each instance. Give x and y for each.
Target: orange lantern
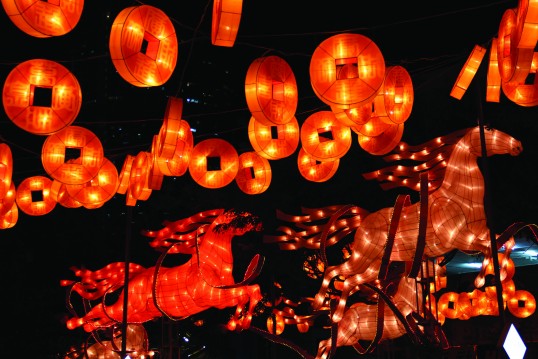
(277, 144)
(7, 202)
(139, 176)
(271, 91)
(303, 327)
(522, 304)
(397, 94)
(275, 325)
(214, 163)
(254, 173)
(324, 138)
(41, 96)
(10, 217)
(353, 116)
(58, 192)
(44, 18)
(384, 142)
(143, 46)
(125, 174)
(465, 305)
(527, 32)
(468, 72)
(493, 80)
(225, 22)
(86, 160)
(374, 127)
(99, 189)
(6, 169)
(448, 305)
(347, 70)
(155, 177)
(175, 133)
(314, 170)
(31, 187)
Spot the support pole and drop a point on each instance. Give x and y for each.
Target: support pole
(127, 249)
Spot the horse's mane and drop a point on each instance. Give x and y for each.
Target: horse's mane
(410, 161)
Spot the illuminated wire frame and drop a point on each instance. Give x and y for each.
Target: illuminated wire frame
(225, 22)
(468, 72)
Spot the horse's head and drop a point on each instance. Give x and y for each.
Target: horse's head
(497, 142)
(237, 222)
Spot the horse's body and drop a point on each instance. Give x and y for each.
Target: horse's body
(456, 219)
(203, 282)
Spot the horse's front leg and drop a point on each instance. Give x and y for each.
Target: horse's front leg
(241, 320)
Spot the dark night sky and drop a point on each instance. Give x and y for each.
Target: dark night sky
(431, 40)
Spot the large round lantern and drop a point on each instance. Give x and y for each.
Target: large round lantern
(41, 96)
(324, 138)
(276, 141)
(254, 173)
(448, 305)
(214, 163)
(33, 196)
(347, 70)
(143, 46)
(6, 169)
(40, 18)
(271, 90)
(384, 142)
(84, 162)
(99, 189)
(314, 170)
(225, 22)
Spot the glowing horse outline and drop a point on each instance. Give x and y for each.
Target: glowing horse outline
(456, 219)
(204, 281)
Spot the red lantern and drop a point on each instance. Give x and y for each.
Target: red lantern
(448, 305)
(41, 96)
(374, 127)
(397, 94)
(468, 72)
(522, 304)
(214, 163)
(139, 177)
(384, 142)
(99, 189)
(25, 196)
(324, 138)
(44, 18)
(314, 170)
(6, 169)
(275, 324)
(175, 133)
(271, 91)
(125, 174)
(354, 116)
(58, 192)
(347, 70)
(262, 138)
(254, 173)
(156, 176)
(7, 202)
(225, 22)
(141, 25)
(493, 89)
(10, 217)
(85, 163)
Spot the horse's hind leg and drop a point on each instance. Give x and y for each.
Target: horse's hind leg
(94, 319)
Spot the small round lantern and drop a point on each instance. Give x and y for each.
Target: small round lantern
(314, 170)
(31, 187)
(143, 46)
(225, 22)
(398, 95)
(6, 169)
(275, 324)
(271, 91)
(40, 18)
(175, 133)
(10, 217)
(99, 189)
(384, 142)
(347, 70)
(58, 192)
(522, 304)
(276, 141)
(7, 202)
(254, 173)
(324, 138)
(86, 161)
(353, 116)
(214, 163)
(448, 304)
(41, 96)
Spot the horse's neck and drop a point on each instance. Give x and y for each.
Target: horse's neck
(216, 250)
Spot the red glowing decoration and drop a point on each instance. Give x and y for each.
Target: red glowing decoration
(324, 138)
(56, 107)
(468, 72)
(203, 282)
(314, 170)
(9, 212)
(6, 170)
(493, 89)
(263, 140)
(139, 178)
(225, 22)
(398, 94)
(384, 142)
(254, 174)
(133, 27)
(353, 116)
(44, 18)
(99, 189)
(522, 304)
(214, 163)
(31, 187)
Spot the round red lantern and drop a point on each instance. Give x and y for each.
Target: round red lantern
(40, 18)
(175, 133)
(448, 305)
(7, 202)
(99, 189)
(41, 96)
(6, 169)
(125, 174)
(314, 170)
(347, 70)
(398, 95)
(353, 116)
(25, 196)
(10, 217)
(522, 304)
(275, 141)
(225, 22)
(275, 324)
(384, 142)
(271, 91)
(86, 161)
(143, 66)
(324, 138)
(58, 192)
(375, 126)
(214, 163)
(139, 177)
(468, 72)
(254, 173)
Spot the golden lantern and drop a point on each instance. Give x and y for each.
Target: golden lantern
(44, 18)
(6, 169)
(275, 324)
(324, 138)
(33, 196)
(214, 163)
(314, 170)
(254, 173)
(522, 304)
(347, 70)
(397, 94)
(353, 116)
(275, 141)
(493, 79)
(99, 189)
(143, 46)
(85, 162)
(468, 72)
(225, 22)
(41, 96)
(271, 91)
(384, 142)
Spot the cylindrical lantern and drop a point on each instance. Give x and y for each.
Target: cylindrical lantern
(125, 174)
(347, 70)
(522, 304)
(324, 138)
(271, 91)
(225, 22)
(143, 46)
(448, 304)
(398, 94)
(85, 160)
(254, 173)
(174, 131)
(99, 189)
(353, 116)
(6, 169)
(493, 79)
(275, 324)
(139, 177)
(468, 72)
(276, 141)
(10, 217)
(41, 96)
(40, 18)
(33, 196)
(384, 142)
(214, 163)
(7, 202)
(314, 170)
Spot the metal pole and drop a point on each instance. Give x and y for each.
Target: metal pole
(129, 219)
